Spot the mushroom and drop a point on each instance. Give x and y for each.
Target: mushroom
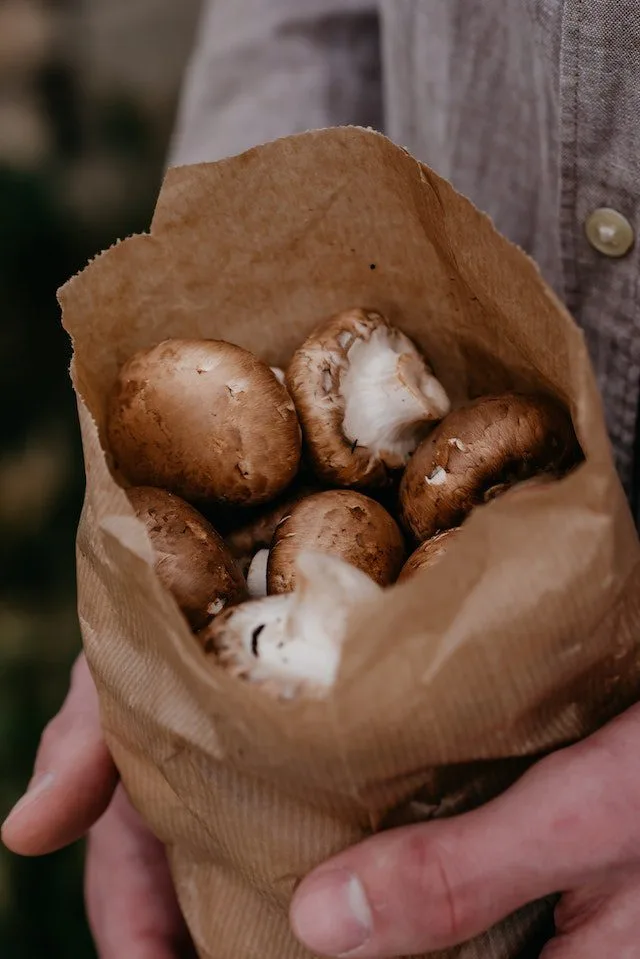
(292, 644)
(206, 420)
(257, 574)
(428, 553)
(480, 451)
(344, 523)
(365, 396)
(279, 374)
(256, 531)
(432, 550)
(520, 486)
(191, 559)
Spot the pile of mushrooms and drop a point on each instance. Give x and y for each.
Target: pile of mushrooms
(266, 494)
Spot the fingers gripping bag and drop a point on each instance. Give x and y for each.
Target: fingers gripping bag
(522, 639)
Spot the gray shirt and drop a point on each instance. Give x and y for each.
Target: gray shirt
(530, 107)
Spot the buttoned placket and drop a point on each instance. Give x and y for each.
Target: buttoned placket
(600, 146)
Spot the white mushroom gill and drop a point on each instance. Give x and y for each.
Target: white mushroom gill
(257, 574)
(389, 394)
(294, 641)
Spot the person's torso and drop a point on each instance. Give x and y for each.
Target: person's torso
(532, 109)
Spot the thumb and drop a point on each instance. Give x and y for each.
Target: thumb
(432, 886)
(74, 776)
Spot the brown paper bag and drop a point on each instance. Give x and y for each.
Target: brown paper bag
(524, 638)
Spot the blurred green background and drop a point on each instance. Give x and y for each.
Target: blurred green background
(87, 99)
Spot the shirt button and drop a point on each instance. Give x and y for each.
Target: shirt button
(609, 232)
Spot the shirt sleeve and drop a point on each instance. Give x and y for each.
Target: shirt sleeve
(262, 69)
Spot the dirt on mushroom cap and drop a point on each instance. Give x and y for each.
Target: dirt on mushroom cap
(191, 559)
(316, 376)
(494, 441)
(344, 523)
(206, 420)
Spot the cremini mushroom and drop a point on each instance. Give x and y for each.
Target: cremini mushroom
(254, 531)
(365, 396)
(292, 644)
(206, 420)
(428, 553)
(191, 559)
(521, 486)
(344, 523)
(480, 451)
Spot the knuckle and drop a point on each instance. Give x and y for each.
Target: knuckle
(605, 827)
(433, 888)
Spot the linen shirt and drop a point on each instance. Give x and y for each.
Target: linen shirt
(531, 108)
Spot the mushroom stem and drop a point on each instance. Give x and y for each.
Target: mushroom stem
(257, 574)
(390, 394)
(293, 642)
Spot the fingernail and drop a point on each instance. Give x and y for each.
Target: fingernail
(38, 785)
(331, 915)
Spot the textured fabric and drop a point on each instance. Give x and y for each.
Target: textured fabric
(530, 107)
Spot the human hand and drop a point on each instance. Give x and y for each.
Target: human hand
(570, 825)
(131, 905)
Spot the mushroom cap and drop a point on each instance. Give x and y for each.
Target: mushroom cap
(191, 559)
(512, 489)
(428, 553)
(342, 523)
(332, 400)
(479, 451)
(206, 420)
(256, 531)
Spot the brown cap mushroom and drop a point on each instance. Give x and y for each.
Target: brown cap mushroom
(428, 553)
(204, 419)
(192, 561)
(479, 451)
(519, 486)
(258, 525)
(292, 644)
(365, 396)
(343, 523)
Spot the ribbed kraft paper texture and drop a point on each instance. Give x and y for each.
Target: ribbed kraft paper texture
(524, 638)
